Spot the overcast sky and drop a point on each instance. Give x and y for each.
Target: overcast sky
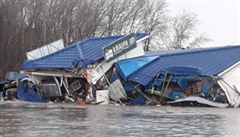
(219, 19)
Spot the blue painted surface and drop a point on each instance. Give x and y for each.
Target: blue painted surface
(26, 93)
(89, 50)
(174, 95)
(211, 61)
(129, 66)
(187, 71)
(18, 77)
(138, 101)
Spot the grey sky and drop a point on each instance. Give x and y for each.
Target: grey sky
(219, 19)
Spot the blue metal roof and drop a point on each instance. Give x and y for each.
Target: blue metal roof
(211, 61)
(162, 52)
(89, 50)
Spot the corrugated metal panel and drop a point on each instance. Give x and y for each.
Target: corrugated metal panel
(60, 59)
(92, 48)
(163, 52)
(211, 61)
(89, 49)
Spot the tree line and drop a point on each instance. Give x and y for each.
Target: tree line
(28, 24)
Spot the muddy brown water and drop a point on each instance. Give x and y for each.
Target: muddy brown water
(56, 120)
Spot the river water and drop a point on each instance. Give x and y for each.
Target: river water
(56, 120)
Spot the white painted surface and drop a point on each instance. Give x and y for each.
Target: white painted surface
(199, 100)
(102, 95)
(102, 68)
(45, 50)
(116, 91)
(230, 83)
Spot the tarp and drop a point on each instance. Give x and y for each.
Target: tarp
(26, 93)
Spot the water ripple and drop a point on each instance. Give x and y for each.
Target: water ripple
(37, 120)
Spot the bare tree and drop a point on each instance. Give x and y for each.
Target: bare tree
(28, 24)
(180, 32)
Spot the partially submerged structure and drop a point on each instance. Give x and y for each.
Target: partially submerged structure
(72, 71)
(115, 68)
(212, 74)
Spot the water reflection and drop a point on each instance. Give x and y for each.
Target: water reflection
(144, 121)
(61, 120)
